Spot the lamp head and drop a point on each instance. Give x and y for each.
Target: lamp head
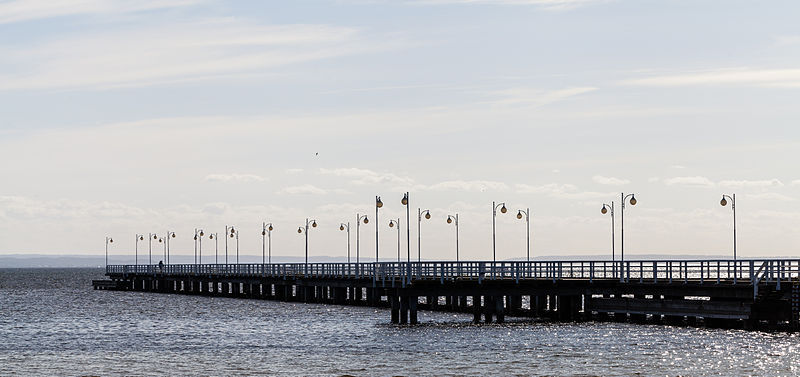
(427, 214)
(111, 240)
(449, 220)
(233, 230)
(141, 238)
(405, 199)
(366, 220)
(391, 224)
(300, 230)
(519, 214)
(341, 227)
(211, 236)
(723, 202)
(263, 232)
(155, 237)
(633, 200)
(202, 234)
(604, 210)
(173, 235)
(195, 237)
(314, 224)
(160, 240)
(378, 202)
(503, 209)
(231, 235)
(270, 228)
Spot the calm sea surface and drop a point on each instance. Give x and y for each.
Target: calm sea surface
(53, 323)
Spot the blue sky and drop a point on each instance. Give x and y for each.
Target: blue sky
(121, 118)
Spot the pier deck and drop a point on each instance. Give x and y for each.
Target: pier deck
(753, 293)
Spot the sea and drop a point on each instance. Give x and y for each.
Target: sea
(52, 323)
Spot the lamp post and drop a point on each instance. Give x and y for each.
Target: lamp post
(343, 226)
(450, 220)
(166, 241)
(139, 237)
(266, 229)
(161, 240)
(108, 241)
(358, 235)
(419, 231)
(392, 223)
(622, 225)
(527, 213)
(235, 234)
(198, 237)
(301, 230)
(227, 231)
(378, 204)
(605, 210)
(404, 202)
(150, 238)
(724, 202)
(503, 209)
(215, 236)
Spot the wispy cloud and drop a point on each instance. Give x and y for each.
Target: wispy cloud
(26, 10)
(561, 191)
(771, 196)
(696, 181)
(747, 183)
(478, 186)
(729, 77)
(174, 52)
(545, 4)
(303, 189)
(535, 97)
(611, 181)
(243, 178)
(368, 177)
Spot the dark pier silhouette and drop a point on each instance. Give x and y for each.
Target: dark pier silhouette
(749, 294)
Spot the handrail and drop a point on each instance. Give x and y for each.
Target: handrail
(704, 271)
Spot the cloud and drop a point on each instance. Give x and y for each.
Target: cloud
(535, 97)
(171, 52)
(368, 177)
(479, 186)
(243, 178)
(771, 196)
(726, 77)
(696, 181)
(303, 189)
(294, 171)
(610, 180)
(545, 4)
(796, 182)
(26, 10)
(561, 191)
(746, 183)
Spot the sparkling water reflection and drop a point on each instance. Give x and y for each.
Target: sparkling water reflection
(53, 323)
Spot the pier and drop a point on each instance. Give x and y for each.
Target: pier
(749, 294)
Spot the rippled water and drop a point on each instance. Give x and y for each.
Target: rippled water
(53, 323)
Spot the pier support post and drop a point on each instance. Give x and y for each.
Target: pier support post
(488, 308)
(476, 309)
(403, 310)
(395, 302)
(499, 308)
(413, 301)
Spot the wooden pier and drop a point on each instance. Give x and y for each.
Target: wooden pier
(749, 294)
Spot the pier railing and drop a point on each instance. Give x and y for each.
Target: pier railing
(743, 271)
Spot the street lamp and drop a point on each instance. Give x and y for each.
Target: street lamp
(139, 237)
(108, 241)
(724, 202)
(150, 238)
(378, 204)
(605, 210)
(451, 219)
(266, 229)
(392, 223)
(404, 202)
(215, 236)
(166, 241)
(419, 231)
(358, 235)
(228, 229)
(343, 226)
(235, 234)
(494, 226)
(527, 213)
(300, 230)
(198, 236)
(622, 223)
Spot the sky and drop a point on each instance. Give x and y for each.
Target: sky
(120, 117)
